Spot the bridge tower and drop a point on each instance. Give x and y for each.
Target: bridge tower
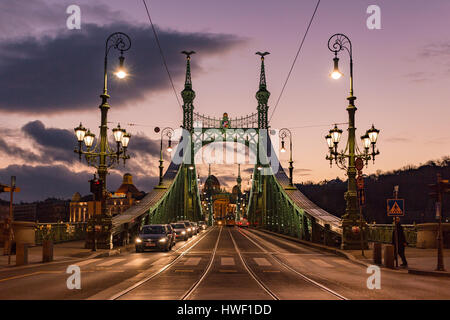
(191, 207)
(238, 194)
(188, 95)
(262, 95)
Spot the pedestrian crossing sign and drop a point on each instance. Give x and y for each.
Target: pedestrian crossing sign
(395, 207)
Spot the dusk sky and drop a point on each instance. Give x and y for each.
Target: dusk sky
(51, 79)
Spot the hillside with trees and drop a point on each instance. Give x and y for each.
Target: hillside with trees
(413, 184)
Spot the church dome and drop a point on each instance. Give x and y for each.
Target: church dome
(76, 197)
(212, 184)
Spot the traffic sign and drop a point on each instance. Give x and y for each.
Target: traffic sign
(361, 197)
(359, 164)
(360, 182)
(395, 207)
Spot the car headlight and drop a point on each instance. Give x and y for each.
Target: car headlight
(162, 240)
(189, 229)
(183, 232)
(138, 240)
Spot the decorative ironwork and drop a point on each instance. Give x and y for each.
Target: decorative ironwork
(249, 121)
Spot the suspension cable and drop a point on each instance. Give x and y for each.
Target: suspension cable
(295, 59)
(161, 53)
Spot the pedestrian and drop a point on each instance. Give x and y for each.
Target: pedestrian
(401, 241)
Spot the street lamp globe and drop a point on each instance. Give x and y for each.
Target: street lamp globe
(373, 134)
(80, 132)
(335, 134)
(118, 133)
(366, 141)
(89, 139)
(329, 141)
(126, 139)
(283, 149)
(169, 147)
(336, 74)
(121, 73)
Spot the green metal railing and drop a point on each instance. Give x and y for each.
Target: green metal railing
(60, 232)
(383, 233)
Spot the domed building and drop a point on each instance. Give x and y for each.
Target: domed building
(82, 208)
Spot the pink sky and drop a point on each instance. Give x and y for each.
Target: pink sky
(400, 74)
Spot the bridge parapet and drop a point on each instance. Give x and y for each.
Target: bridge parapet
(383, 233)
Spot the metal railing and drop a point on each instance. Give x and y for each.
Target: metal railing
(383, 233)
(60, 232)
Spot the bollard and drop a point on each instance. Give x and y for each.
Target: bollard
(389, 256)
(21, 254)
(47, 251)
(377, 253)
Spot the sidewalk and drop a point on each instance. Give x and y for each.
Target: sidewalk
(61, 252)
(420, 261)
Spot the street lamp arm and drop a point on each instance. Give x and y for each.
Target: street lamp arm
(119, 41)
(339, 42)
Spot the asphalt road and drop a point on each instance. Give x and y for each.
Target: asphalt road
(220, 263)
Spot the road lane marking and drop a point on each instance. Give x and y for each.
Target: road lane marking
(184, 270)
(30, 274)
(262, 262)
(343, 262)
(110, 262)
(85, 262)
(136, 262)
(321, 263)
(192, 261)
(276, 271)
(227, 271)
(227, 261)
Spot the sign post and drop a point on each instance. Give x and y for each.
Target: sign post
(395, 208)
(359, 164)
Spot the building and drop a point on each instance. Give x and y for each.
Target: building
(82, 208)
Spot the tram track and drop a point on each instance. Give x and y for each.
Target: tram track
(165, 267)
(286, 266)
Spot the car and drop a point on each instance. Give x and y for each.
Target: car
(196, 227)
(189, 229)
(181, 232)
(202, 225)
(155, 236)
(243, 223)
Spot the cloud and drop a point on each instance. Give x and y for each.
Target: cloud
(141, 144)
(18, 152)
(419, 76)
(433, 50)
(397, 140)
(64, 73)
(44, 181)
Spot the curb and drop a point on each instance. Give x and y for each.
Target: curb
(320, 247)
(429, 273)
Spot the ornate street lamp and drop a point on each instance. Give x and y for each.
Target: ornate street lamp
(283, 134)
(166, 132)
(101, 156)
(340, 42)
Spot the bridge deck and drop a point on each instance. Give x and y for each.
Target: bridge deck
(322, 216)
(148, 201)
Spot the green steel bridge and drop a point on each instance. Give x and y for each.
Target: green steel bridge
(274, 203)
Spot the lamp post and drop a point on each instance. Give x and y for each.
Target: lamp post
(166, 132)
(283, 134)
(350, 224)
(101, 156)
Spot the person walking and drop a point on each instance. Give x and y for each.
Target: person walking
(401, 241)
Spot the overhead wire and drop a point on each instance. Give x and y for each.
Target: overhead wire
(295, 59)
(161, 53)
